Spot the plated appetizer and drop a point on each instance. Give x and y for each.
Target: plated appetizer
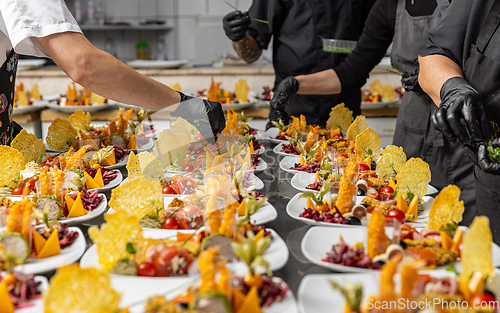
(20, 291)
(215, 93)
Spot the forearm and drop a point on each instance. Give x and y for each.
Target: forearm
(248, 49)
(321, 83)
(435, 70)
(103, 74)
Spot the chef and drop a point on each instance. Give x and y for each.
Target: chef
(460, 70)
(297, 28)
(47, 29)
(405, 23)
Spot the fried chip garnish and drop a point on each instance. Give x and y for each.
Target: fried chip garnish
(171, 147)
(377, 239)
(393, 157)
(29, 146)
(133, 166)
(80, 121)
(61, 135)
(446, 208)
(121, 229)
(151, 167)
(476, 255)
(12, 163)
(348, 188)
(139, 196)
(357, 127)
(368, 144)
(413, 178)
(73, 289)
(241, 90)
(340, 116)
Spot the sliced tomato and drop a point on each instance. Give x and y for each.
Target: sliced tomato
(163, 261)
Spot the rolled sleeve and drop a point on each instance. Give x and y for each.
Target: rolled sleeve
(266, 10)
(26, 20)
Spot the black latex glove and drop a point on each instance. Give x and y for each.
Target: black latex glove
(276, 115)
(236, 24)
(481, 156)
(284, 92)
(461, 113)
(410, 83)
(206, 116)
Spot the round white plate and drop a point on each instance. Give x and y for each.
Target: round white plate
(36, 304)
(69, 255)
(296, 206)
(120, 164)
(277, 149)
(271, 133)
(318, 241)
(262, 165)
(169, 64)
(85, 108)
(237, 106)
(302, 179)
(112, 184)
(289, 162)
(28, 64)
(27, 109)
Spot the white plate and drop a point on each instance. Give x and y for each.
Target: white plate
(271, 133)
(72, 221)
(27, 109)
(277, 149)
(37, 304)
(379, 105)
(237, 106)
(262, 165)
(157, 63)
(289, 162)
(148, 146)
(258, 184)
(261, 150)
(85, 108)
(318, 241)
(302, 179)
(69, 255)
(112, 184)
(296, 206)
(28, 64)
(120, 164)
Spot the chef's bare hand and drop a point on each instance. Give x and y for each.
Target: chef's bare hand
(236, 24)
(206, 116)
(284, 92)
(462, 114)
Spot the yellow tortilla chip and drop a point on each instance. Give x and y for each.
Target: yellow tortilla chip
(61, 135)
(133, 166)
(357, 127)
(172, 148)
(413, 177)
(241, 90)
(391, 161)
(340, 116)
(446, 208)
(140, 197)
(368, 144)
(11, 163)
(151, 167)
(29, 146)
(80, 121)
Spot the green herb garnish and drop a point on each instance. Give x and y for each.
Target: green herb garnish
(493, 153)
(130, 248)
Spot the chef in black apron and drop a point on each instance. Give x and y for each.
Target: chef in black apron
(297, 28)
(404, 23)
(8, 128)
(461, 72)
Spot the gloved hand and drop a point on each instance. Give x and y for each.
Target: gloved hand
(461, 110)
(481, 156)
(236, 24)
(276, 115)
(284, 92)
(206, 116)
(410, 83)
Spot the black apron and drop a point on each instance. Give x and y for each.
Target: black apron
(414, 131)
(482, 70)
(8, 128)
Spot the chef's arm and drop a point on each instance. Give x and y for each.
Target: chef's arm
(435, 70)
(321, 83)
(247, 48)
(103, 74)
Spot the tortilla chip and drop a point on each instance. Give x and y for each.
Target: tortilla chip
(29, 146)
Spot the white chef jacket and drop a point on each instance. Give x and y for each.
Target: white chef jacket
(21, 21)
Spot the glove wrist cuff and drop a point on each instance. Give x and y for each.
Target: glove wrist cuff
(453, 84)
(183, 97)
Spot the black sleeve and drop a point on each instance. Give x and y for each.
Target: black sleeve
(448, 37)
(371, 46)
(266, 10)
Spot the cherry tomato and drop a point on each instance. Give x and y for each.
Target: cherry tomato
(46, 166)
(393, 214)
(146, 269)
(387, 190)
(18, 191)
(170, 223)
(188, 168)
(363, 168)
(167, 190)
(484, 301)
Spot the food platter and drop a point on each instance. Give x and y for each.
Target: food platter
(157, 64)
(112, 184)
(237, 106)
(36, 305)
(261, 166)
(365, 105)
(85, 108)
(277, 149)
(120, 164)
(27, 109)
(288, 162)
(271, 133)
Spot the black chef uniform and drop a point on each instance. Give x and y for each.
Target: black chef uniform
(8, 128)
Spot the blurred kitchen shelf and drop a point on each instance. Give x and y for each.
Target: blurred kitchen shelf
(126, 27)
